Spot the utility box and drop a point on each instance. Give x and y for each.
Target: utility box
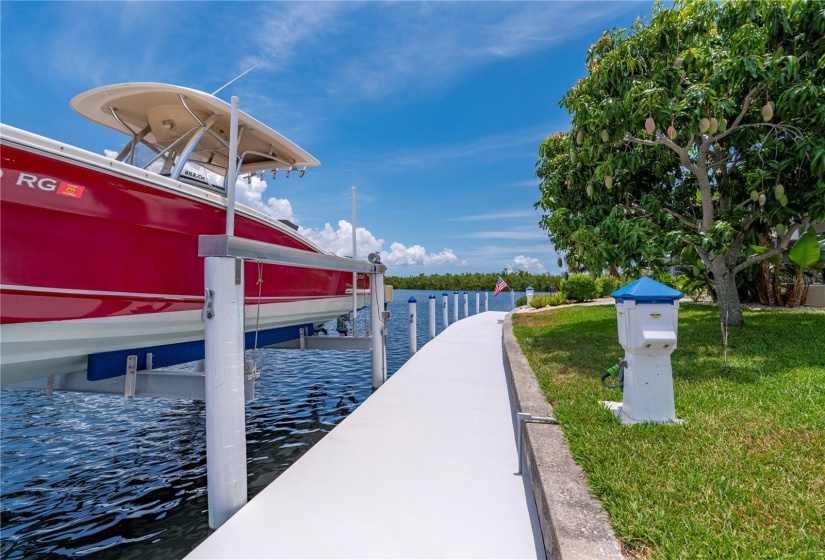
(529, 293)
(647, 315)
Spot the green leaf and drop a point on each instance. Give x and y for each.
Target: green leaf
(805, 251)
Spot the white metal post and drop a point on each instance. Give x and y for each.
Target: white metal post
(477, 296)
(232, 168)
(466, 306)
(444, 312)
(512, 299)
(432, 316)
(486, 300)
(224, 388)
(379, 372)
(455, 307)
(354, 274)
(413, 325)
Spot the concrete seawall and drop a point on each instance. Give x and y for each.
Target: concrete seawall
(573, 523)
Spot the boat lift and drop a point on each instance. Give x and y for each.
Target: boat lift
(226, 382)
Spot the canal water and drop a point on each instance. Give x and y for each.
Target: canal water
(97, 476)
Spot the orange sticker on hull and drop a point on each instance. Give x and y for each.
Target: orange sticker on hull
(67, 189)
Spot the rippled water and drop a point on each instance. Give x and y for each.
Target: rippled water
(97, 476)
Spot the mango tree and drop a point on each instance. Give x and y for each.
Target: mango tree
(706, 121)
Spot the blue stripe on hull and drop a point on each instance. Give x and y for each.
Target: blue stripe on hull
(105, 365)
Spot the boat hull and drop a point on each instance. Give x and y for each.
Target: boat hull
(99, 256)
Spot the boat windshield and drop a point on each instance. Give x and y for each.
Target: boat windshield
(146, 157)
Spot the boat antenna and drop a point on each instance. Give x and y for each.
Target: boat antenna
(234, 79)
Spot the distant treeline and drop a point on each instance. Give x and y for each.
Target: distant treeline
(472, 281)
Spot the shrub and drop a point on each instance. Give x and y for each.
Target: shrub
(521, 301)
(539, 301)
(666, 279)
(580, 287)
(695, 288)
(559, 298)
(607, 285)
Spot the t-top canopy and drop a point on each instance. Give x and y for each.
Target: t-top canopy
(647, 290)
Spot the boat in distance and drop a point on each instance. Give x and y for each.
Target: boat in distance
(100, 255)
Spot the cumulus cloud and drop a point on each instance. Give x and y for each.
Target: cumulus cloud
(339, 241)
(528, 264)
(401, 255)
(251, 194)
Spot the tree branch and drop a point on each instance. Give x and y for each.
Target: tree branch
(782, 244)
(746, 104)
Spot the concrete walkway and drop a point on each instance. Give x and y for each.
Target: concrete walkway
(424, 468)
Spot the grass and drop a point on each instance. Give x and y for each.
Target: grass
(743, 477)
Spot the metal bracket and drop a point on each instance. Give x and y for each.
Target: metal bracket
(131, 376)
(208, 304)
(523, 418)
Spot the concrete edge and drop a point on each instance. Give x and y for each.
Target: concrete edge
(573, 524)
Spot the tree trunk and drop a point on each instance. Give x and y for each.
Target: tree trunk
(730, 308)
(795, 297)
(764, 287)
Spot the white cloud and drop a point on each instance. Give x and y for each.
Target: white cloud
(528, 264)
(285, 28)
(401, 255)
(251, 193)
(339, 241)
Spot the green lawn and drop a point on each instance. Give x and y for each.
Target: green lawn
(743, 477)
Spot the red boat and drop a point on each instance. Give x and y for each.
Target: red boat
(100, 255)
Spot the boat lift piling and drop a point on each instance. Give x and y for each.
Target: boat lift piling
(444, 317)
(432, 316)
(413, 325)
(223, 317)
(223, 330)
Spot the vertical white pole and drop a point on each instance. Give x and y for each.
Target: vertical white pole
(225, 421)
(466, 306)
(512, 299)
(432, 316)
(232, 170)
(379, 371)
(354, 274)
(413, 325)
(455, 307)
(477, 296)
(444, 318)
(486, 300)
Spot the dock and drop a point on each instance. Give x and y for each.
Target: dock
(426, 467)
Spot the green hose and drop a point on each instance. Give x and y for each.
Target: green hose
(618, 369)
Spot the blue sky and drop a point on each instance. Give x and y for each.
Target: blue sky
(434, 111)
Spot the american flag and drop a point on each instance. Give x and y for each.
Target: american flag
(500, 285)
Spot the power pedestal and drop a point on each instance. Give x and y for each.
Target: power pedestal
(647, 314)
